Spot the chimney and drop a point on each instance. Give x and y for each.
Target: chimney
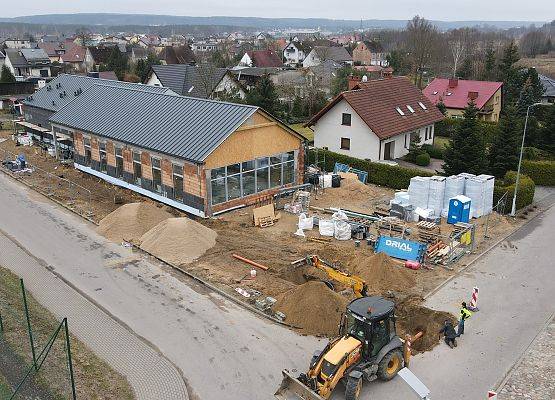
(353, 81)
(472, 95)
(453, 82)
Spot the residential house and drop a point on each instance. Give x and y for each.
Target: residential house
(96, 55)
(206, 157)
(320, 54)
(59, 92)
(376, 120)
(74, 56)
(457, 93)
(138, 53)
(177, 55)
(202, 81)
(347, 39)
(28, 63)
(322, 75)
(12, 43)
(295, 52)
(54, 50)
(548, 84)
(261, 59)
(203, 46)
(249, 76)
(369, 52)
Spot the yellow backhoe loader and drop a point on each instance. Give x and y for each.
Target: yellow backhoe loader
(368, 348)
(355, 282)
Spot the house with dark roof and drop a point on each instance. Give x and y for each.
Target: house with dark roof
(249, 76)
(261, 59)
(28, 62)
(369, 52)
(376, 120)
(295, 52)
(320, 54)
(177, 55)
(74, 56)
(41, 105)
(96, 55)
(200, 156)
(457, 93)
(202, 81)
(548, 84)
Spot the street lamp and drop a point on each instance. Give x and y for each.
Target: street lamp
(513, 209)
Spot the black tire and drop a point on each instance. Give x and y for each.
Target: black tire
(390, 365)
(353, 388)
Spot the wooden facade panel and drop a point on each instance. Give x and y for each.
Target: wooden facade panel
(110, 153)
(78, 143)
(167, 174)
(95, 150)
(147, 165)
(127, 160)
(249, 144)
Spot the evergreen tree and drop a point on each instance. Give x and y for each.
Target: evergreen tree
(490, 66)
(6, 76)
(504, 150)
(441, 107)
(466, 151)
(547, 135)
(142, 68)
(531, 92)
(117, 62)
(510, 75)
(264, 95)
(340, 82)
(297, 110)
(465, 71)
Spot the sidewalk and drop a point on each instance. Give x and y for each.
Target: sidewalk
(150, 374)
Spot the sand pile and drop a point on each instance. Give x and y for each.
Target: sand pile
(381, 273)
(412, 317)
(312, 307)
(130, 221)
(178, 240)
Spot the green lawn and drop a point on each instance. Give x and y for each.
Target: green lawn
(306, 132)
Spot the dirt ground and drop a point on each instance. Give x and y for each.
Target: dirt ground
(277, 247)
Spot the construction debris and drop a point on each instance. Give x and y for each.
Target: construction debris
(250, 262)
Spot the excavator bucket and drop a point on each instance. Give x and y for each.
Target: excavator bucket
(293, 389)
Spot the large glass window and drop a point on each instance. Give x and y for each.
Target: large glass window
(119, 163)
(103, 161)
(253, 176)
(156, 175)
(178, 182)
(87, 144)
(137, 168)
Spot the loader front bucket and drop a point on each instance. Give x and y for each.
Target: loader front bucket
(293, 389)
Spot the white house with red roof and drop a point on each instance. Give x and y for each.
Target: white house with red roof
(457, 93)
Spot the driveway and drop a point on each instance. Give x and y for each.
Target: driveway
(224, 351)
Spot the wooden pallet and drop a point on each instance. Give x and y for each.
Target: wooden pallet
(265, 222)
(427, 226)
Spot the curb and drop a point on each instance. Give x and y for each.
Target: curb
(510, 371)
(482, 254)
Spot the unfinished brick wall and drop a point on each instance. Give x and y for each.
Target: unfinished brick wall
(167, 173)
(127, 160)
(110, 153)
(146, 165)
(192, 182)
(300, 166)
(78, 143)
(95, 150)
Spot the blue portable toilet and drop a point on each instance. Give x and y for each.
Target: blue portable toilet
(459, 209)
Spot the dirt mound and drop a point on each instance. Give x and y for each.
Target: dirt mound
(130, 221)
(178, 240)
(413, 317)
(312, 307)
(381, 273)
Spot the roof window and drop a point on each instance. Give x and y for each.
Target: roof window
(400, 111)
(410, 109)
(190, 89)
(435, 92)
(422, 105)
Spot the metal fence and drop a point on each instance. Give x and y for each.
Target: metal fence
(35, 349)
(65, 191)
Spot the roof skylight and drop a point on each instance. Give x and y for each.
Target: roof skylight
(400, 111)
(422, 105)
(410, 109)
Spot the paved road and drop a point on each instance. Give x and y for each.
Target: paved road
(517, 283)
(223, 351)
(122, 349)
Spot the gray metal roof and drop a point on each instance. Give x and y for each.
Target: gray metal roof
(183, 127)
(49, 98)
(34, 55)
(188, 80)
(548, 85)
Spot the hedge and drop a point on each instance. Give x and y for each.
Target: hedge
(448, 126)
(541, 172)
(526, 189)
(433, 151)
(392, 176)
(423, 159)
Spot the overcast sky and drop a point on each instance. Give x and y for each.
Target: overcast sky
(447, 10)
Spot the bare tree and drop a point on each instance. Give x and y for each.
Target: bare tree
(457, 50)
(421, 40)
(84, 36)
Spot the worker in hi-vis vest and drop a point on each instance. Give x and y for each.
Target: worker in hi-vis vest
(465, 314)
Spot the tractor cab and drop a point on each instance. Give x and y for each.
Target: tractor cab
(371, 320)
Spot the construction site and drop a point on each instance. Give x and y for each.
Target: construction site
(257, 254)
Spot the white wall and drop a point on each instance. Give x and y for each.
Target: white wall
(228, 85)
(311, 60)
(246, 61)
(153, 80)
(328, 132)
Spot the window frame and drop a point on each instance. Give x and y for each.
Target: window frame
(345, 123)
(345, 147)
(158, 170)
(138, 180)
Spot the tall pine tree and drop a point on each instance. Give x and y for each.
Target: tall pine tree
(510, 75)
(546, 140)
(466, 151)
(264, 95)
(504, 150)
(6, 75)
(490, 67)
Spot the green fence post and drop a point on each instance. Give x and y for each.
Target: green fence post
(71, 378)
(28, 323)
